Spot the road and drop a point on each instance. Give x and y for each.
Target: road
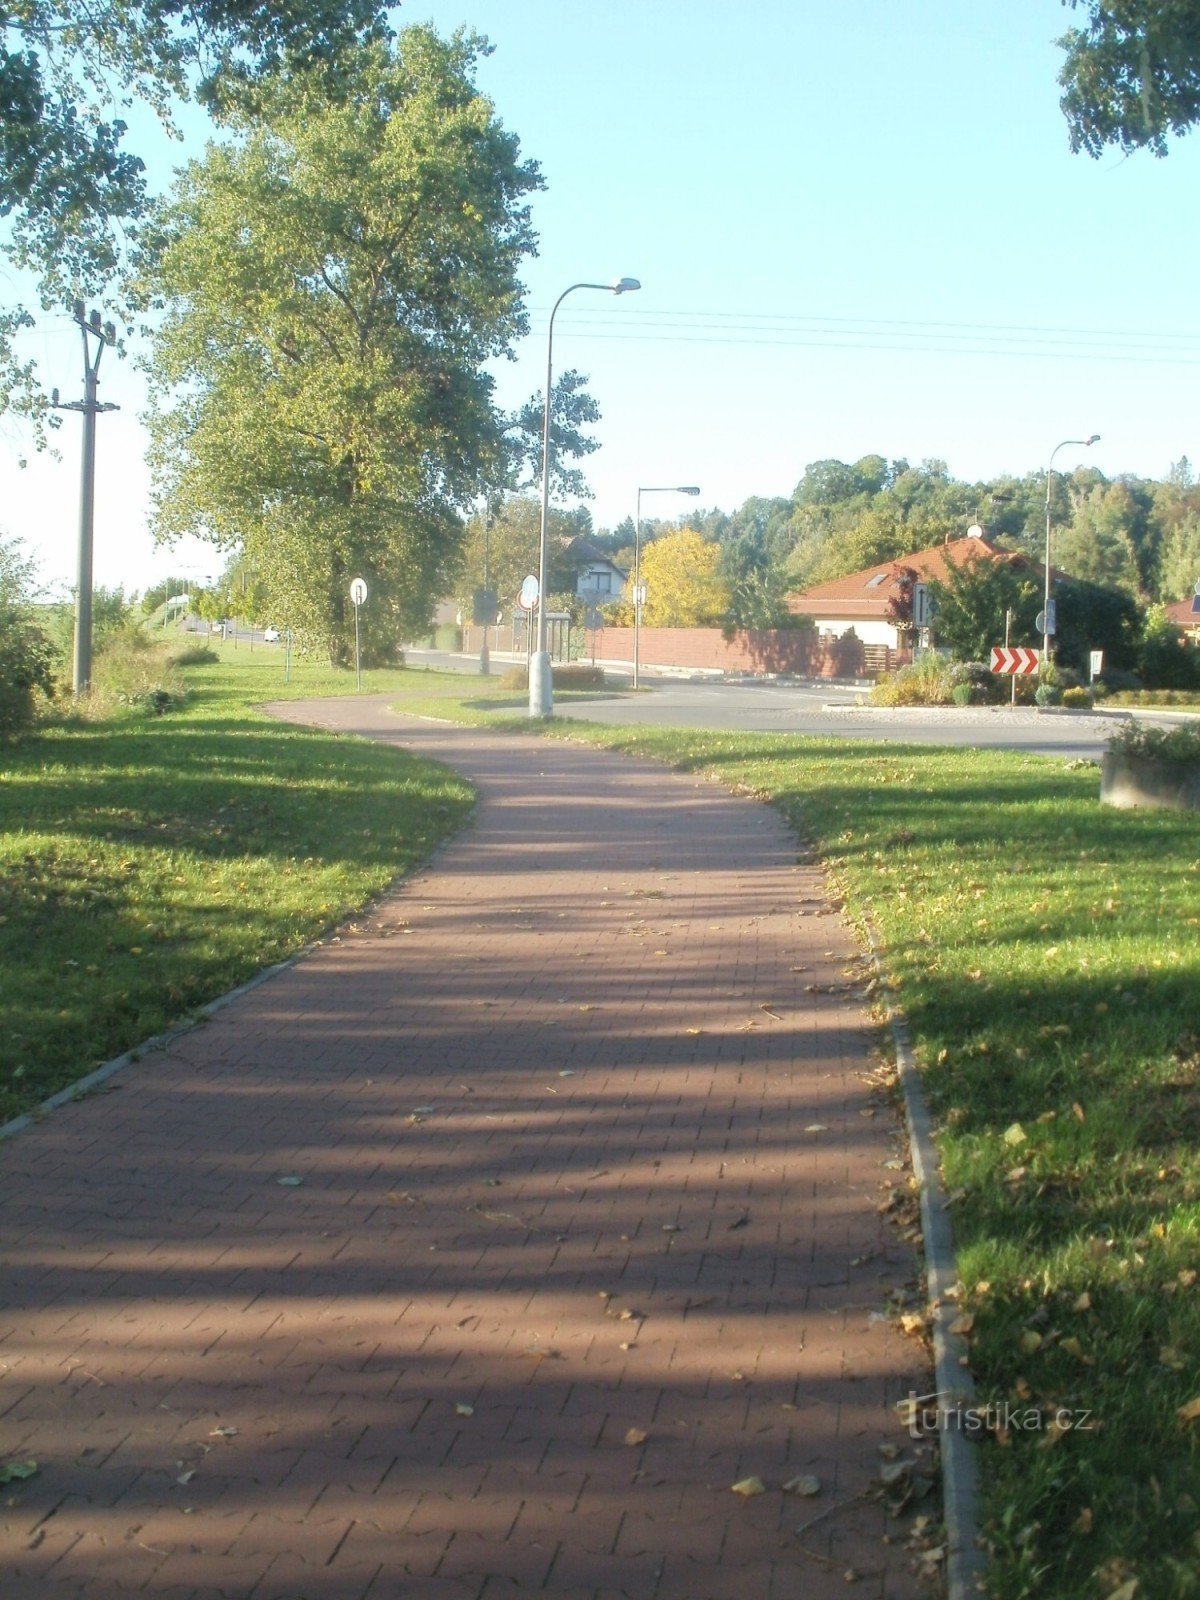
(827, 710)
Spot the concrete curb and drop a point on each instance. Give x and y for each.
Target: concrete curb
(159, 1041)
(965, 1559)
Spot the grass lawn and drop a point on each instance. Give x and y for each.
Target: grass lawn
(148, 864)
(1046, 951)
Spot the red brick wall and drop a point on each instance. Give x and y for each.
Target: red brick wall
(798, 652)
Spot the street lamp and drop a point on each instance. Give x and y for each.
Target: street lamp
(1047, 630)
(683, 488)
(541, 682)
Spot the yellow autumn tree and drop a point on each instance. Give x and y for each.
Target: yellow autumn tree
(683, 589)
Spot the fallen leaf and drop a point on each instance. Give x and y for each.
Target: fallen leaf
(186, 1477)
(1014, 1134)
(1189, 1412)
(636, 1436)
(894, 1472)
(1083, 1522)
(1082, 1302)
(963, 1324)
(17, 1471)
(807, 1486)
(1073, 1347)
(817, 1127)
(464, 1410)
(912, 1322)
(749, 1487)
(290, 1183)
(1126, 1591)
(1030, 1341)
(223, 1433)
(1077, 1112)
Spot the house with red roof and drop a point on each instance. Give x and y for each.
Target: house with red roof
(866, 601)
(1185, 614)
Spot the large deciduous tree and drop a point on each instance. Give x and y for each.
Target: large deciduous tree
(1132, 73)
(683, 584)
(71, 191)
(332, 282)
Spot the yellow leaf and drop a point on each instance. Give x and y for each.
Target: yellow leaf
(1082, 1302)
(1030, 1341)
(1015, 1134)
(749, 1487)
(1073, 1347)
(1189, 1412)
(963, 1324)
(636, 1436)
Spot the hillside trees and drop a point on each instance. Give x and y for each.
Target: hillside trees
(332, 281)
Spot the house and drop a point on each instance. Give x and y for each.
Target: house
(865, 600)
(597, 579)
(1185, 614)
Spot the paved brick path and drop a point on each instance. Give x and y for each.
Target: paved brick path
(553, 1115)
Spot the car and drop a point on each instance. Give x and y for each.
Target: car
(271, 636)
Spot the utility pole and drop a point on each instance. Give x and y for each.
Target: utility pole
(89, 323)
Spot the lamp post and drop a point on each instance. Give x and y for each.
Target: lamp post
(90, 406)
(541, 682)
(1047, 631)
(683, 488)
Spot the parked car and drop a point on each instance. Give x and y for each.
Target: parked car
(271, 636)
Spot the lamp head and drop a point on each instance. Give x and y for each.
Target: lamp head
(1095, 439)
(689, 488)
(625, 285)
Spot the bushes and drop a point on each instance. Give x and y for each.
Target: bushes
(929, 681)
(26, 653)
(575, 676)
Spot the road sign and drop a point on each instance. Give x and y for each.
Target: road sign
(1019, 662)
(528, 597)
(358, 591)
(1045, 621)
(922, 604)
(1096, 658)
(485, 605)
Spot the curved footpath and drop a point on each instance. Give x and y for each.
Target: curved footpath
(479, 1252)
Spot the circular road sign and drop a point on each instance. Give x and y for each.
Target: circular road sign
(529, 593)
(358, 591)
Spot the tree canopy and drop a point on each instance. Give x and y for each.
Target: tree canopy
(1131, 76)
(71, 190)
(332, 282)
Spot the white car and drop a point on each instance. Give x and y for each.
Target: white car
(271, 636)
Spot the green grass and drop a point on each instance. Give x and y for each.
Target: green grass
(149, 864)
(1046, 951)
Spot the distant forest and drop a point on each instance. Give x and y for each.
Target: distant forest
(1138, 535)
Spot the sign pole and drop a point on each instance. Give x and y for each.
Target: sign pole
(358, 593)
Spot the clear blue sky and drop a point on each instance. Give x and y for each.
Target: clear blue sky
(858, 229)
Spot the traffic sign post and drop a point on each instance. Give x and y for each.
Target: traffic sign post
(358, 593)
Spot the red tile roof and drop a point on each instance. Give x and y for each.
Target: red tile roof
(867, 593)
(1182, 615)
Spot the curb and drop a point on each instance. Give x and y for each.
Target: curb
(158, 1041)
(965, 1559)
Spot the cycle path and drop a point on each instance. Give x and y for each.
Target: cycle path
(482, 1250)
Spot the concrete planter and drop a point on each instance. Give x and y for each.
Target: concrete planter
(1129, 781)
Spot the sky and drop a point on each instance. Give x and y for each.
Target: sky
(858, 229)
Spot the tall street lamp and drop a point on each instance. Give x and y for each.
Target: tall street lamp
(1047, 630)
(541, 682)
(683, 488)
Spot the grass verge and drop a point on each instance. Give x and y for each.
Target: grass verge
(1045, 951)
(150, 863)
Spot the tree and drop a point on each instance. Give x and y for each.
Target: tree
(513, 537)
(69, 187)
(572, 409)
(1098, 546)
(333, 283)
(972, 602)
(1131, 74)
(26, 653)
(683, 588)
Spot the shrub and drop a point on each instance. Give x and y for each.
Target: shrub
(1178, 744)
(514, 678)
(578, 675)
(1047, 694)
(963, 694)
(132, 670)
(928, 681)
(193, 655)
(26, 652)
(1076, 697)
(985, 686)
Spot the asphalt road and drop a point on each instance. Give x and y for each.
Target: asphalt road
(757, 706)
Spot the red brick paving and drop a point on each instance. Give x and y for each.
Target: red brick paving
(557, 1168)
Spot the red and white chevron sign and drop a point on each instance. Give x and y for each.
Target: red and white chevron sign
(1018, 663)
